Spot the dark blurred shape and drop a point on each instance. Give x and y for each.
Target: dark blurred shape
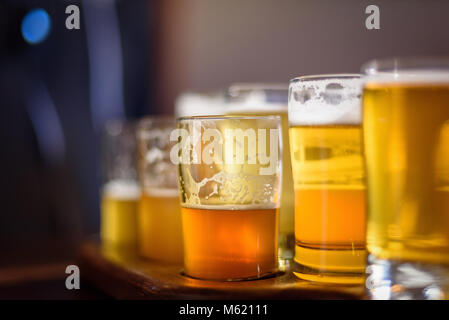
(57, 88)
(105, 61)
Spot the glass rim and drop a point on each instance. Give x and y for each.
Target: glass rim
(229, 117)
(328, 76)
(393, 64)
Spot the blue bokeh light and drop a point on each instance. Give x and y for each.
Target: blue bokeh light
(35, 26)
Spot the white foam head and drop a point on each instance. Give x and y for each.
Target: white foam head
(122, 189)
(407, 70)
(325, 100)
(408, 76)
(199, 104)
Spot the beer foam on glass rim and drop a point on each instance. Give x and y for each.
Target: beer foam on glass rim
(197, 104)
(410, 76)
(122, 189)
(325, 100)
(410, 70)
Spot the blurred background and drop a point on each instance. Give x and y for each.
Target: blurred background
(58, 87)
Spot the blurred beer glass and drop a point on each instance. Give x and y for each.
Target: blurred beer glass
(160, 231)
(328, 175)
(271, 99)
(229, 179)
(406, 139)
(197, 103)
(120, 192)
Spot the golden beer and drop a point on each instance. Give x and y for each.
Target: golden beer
(406, 135)
(406, 141)
(328, 174)
(160, 231)
(229, 175)
(223, 243)
(329, 196)
(160, 225)
(120, 191)
(119, 203)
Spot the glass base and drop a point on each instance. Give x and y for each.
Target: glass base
(305, 273)
(401, 280)
(336, 266)
(286, 248)
(259, 277)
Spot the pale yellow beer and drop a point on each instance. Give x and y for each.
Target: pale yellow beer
(120, 191)
(160, 225)
(406, 144)
(159, 218)
(406, 134)
(328, 174)
(119, 203)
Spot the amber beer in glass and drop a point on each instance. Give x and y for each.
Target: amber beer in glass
(229, 179)
(406, 138)
(264, 99)
(328, 175)
(120, 191)
(159, 217)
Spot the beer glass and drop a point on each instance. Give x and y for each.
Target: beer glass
(159, 218)
(120, 191)
(271, 99)
(406, 140)
(229, 180)
(328, 175)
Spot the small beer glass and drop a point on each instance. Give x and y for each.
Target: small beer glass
(230, 184)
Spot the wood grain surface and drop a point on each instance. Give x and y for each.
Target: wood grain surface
(123, 275)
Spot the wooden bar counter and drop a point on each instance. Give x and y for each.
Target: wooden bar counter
(122, 274)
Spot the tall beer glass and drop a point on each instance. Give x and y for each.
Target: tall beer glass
(328, 175)
(160, 231)
(229, 179)
(120, 192)
(406, 139)
(271, 99)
